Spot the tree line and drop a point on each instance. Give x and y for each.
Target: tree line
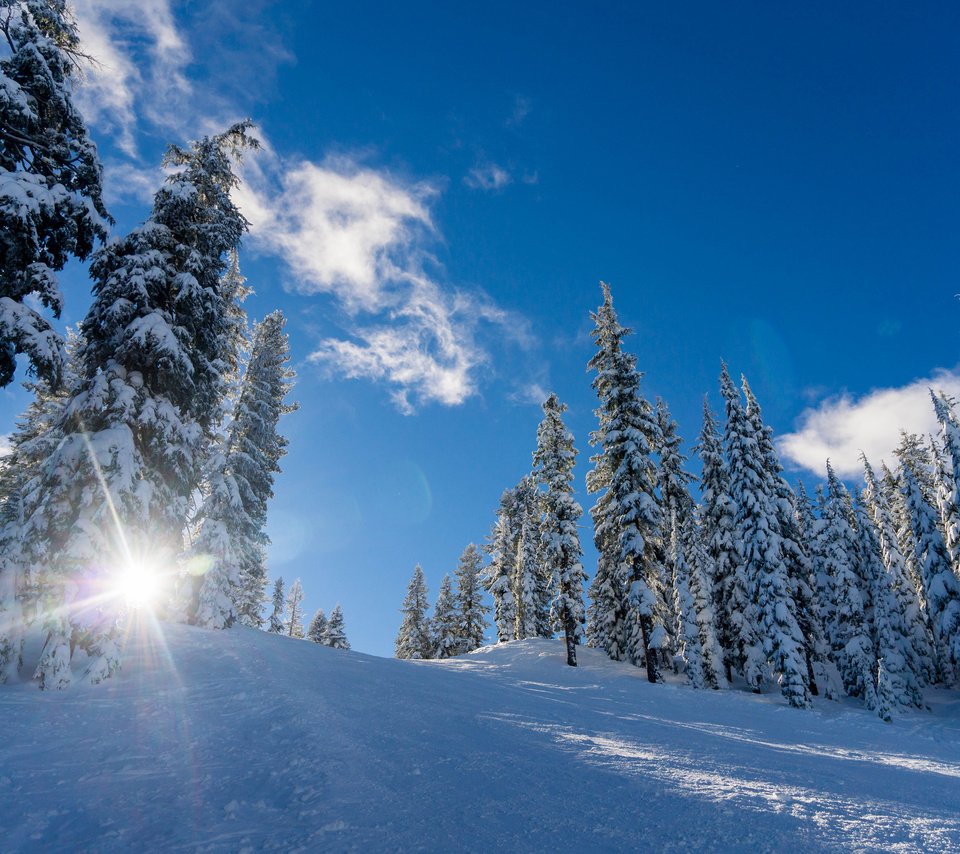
(751, 582)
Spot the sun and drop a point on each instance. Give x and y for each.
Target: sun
(138, 584)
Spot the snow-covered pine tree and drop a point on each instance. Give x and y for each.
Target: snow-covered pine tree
(811, 608)
(413, 639)
(446, 622)
(32, 442)
(275, 625)
(470, 605)
(318, 627)
(51, 206)
(689, 648)
(880, 493)
(717, 515)
(293, 624)
(116, 493)
(498, 575)
(745, 483)
(848, 632)
(553, 463)
(947, 476)
(699, 565)
(336, 634)
(941, 587)
(770, 633)
(528, 574)
(795, 555)
(254, 449)
(627, 515)
(207, 589)
(675, 498)
(897, 684)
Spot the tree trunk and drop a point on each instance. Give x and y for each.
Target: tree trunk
(650, 655)
(570, 633)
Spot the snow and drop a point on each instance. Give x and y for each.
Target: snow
(241, 740)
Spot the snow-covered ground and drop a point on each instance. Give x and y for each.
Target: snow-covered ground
(239, 740)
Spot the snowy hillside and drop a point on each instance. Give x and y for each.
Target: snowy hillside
(241, 740)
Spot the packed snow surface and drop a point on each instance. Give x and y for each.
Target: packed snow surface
(244, 741)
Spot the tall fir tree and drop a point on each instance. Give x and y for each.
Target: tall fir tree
(675, 497)
(413, 639)
(718, 515)
(897, 683)
(35, 438)
(336, 633)
(528, 573)
(293, 624)
(446, 622)
(699, 565)
(886, 503)
(689, 647)
(553, 464)
(499, 573)
(51, 205)
(117, 491)
(940, 586)
(848, 631)
(254, 450)
(628, 526)
(770, 633)
(470, 605)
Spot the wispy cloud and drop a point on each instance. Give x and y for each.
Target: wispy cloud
(488, 177)
(141, 59)
(533, 394)
(843, 426)
(361, 235)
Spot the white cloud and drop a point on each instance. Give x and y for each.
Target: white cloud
(521, 109)
(5, 447)
(530, 393)
(841, 427)
(141, 59)
(359, 235)
(488, 177)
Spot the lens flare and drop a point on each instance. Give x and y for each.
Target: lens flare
(138, 585)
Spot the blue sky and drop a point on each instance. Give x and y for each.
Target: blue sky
(443, 186)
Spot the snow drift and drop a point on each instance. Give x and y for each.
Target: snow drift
(244, 741)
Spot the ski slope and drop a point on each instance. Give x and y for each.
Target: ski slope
(243, 741)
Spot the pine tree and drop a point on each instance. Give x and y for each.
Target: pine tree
(897, 684)
(849, 635)
(117, 491)
(499, 573)
(413, 639)
(795, 555)
(689, 648)
(34, 440)
(469, 599)
(718, 530)
(336, 634)
(627, 516)
(318, 627)
(745, 482)
(675, 498)
(941, 587)
(880, 496)
(51, 206)
(528, 575)
(770, 633)
(699, 565)
(279, 603)
(446, 622)
(553, 464)
(253, 454)
(293, 624)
